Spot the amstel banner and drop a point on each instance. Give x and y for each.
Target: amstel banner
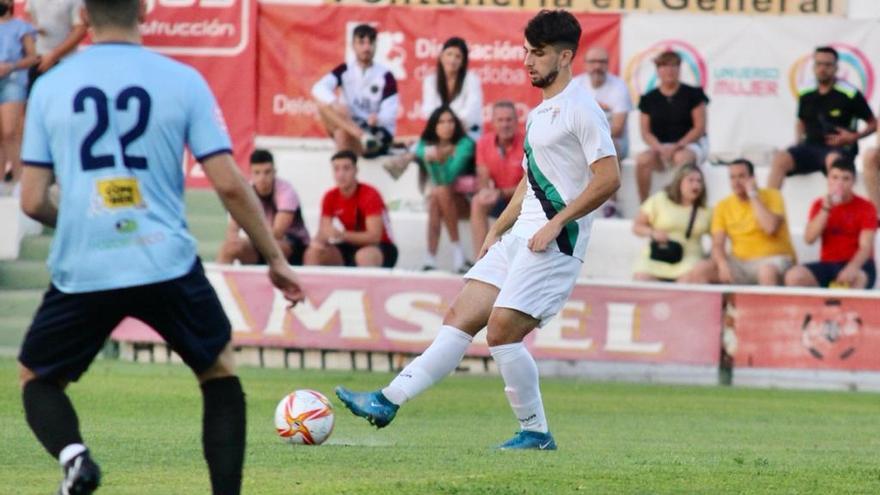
(299, 43)
(377, 310)
(807, 332)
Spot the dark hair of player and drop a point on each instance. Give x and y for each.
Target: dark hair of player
(115, 13)
(558, 28)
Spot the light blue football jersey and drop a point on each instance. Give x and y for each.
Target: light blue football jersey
(112, 122)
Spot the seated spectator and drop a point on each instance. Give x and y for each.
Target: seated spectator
(283, 213)
(453, 86)
(447, 154)
(355, 229)
(675, 220)
(365, 120)
(827, 123)
(499, 170)
(673, 123)
(612, 95)
(754, 221)
(18, 53)
(846, 223)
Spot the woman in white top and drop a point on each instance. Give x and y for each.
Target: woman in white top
(454, 86)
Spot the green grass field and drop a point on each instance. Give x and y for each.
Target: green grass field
(143, 425)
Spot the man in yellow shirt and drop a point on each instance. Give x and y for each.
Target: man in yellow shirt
(754, 221)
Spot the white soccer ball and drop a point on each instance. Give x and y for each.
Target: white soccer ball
(304, 417)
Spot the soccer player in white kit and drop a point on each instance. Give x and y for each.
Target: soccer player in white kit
(532, 256)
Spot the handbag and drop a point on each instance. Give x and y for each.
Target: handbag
(672, 251)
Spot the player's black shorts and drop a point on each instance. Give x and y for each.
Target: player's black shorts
(382, 134)
(389, 253)
(69, 330)
(809, 158)
(826, 272)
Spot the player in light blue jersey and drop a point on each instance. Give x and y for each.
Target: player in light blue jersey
(110, 126)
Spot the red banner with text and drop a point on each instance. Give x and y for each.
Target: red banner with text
(385, 311)
(298, 44)
(806, 332)
(217, 38)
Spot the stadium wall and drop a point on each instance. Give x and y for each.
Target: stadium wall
(607, 330)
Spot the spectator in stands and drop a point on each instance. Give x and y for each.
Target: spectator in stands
(60, 30)
(499, 169)
(613, 97)
(282, 211)
(827, 125)
(754, 221)
(871, 173)
(846, 223)
(17, 55)
(453, 86)
(675, 220)
(673, 123)
(365, 120)
(355, 229)
(447, 154)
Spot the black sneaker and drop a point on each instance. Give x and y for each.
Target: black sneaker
(81, 476)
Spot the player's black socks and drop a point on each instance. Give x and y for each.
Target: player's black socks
(223, 433)
(50, 415)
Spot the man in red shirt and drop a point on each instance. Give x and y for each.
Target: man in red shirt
(847, 224)
(499, 169)
(355, 229)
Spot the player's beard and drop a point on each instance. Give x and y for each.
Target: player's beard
(543, 82)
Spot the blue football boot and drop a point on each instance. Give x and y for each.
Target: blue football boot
(530, 440)
(373, 406)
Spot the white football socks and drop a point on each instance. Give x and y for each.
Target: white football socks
(438, 360)
(520, 375)
(69, 452)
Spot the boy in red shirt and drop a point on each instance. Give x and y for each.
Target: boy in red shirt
(355, 229)
(847, 224)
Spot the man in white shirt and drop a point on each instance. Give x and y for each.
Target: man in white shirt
(364, 117)
(613, 97)
(60, 30)
(532, 255)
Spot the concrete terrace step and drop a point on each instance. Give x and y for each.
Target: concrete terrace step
(23, 274)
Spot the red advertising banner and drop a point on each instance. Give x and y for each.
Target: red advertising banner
(385, 311)
(298, 44)
(807, 332)
(217, 38)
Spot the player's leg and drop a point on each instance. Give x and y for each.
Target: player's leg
(506, 331)
(646, 163)
(467, 316)
(187, 313)
(67, 333)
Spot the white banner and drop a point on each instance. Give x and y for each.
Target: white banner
(751, 68)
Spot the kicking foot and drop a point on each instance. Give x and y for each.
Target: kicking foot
(81, 476)
(373, 406)
(533, 440)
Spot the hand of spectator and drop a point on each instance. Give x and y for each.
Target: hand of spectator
(724, 275)
(46, 62)
(286, 281)
(431, 153)
(841, 137)
(544, 236)
(336, 236)
(660, 236)
(5, 69)
(487, 196)
(752, 187)
(372, 120)
(848, 276)
(666, 152)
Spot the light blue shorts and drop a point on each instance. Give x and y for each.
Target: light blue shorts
(12, 90)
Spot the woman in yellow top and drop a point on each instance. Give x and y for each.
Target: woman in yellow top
(664, 219)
